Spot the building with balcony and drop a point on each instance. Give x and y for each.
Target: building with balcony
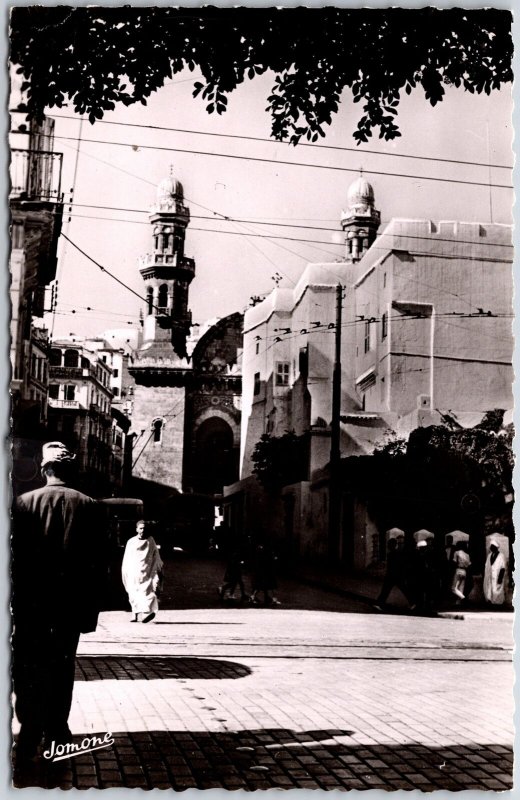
(425, 337)
(80, 412)
(121, 384)
(36, 208)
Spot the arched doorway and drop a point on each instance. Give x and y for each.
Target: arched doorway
(215, 460)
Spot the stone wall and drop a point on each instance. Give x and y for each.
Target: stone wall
(159, 462)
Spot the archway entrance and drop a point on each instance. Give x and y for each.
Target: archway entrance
(215, 460)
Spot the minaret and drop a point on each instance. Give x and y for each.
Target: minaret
(166, 271)
(361, 220)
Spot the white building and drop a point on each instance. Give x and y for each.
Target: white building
(425, 335)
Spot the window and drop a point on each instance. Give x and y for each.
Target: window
(71, 358)
(163, 296)
(115, 373)
(384, 326)
(179, 298)
(104, 359)
(115, 390)
(149, 299)
(257, 383)
(367, 336)
(303, 363)
(54, 391)
(282, 373)
(70, 392)
(157, 426)
(257, 350)
(55, 357)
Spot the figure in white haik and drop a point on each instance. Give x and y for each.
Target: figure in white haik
(142, 574)
(494, 576)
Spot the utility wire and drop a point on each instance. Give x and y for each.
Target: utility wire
(321, 241)
(288, 144)
(167, 414)
(110, 274)
(227, 218)
(286, 163)
(64, 248)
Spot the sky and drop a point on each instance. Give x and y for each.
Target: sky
(231, 264)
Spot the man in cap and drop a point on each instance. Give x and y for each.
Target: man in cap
(57, 548)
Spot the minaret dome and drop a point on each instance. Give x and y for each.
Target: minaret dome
(169, 188)
(361, 219)
(360, 193)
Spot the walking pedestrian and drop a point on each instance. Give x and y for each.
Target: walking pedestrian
(264, 575)
(494, 575)
(462, 562)
(448, 568)
(59, 550)
(395, 574)
(233, 577)
(422, 578)
(142, 573)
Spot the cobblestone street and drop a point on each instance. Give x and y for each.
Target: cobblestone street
(255, 698)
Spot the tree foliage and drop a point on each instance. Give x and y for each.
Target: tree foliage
(96, 57)
(488, 446)
(442, 479)
(281, 460)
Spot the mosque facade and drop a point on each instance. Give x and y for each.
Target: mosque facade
(186, 401)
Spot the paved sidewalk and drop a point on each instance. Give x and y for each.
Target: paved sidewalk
(263, 698)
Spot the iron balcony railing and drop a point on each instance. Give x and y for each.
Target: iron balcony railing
(36, 175)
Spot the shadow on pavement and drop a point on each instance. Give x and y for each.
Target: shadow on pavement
(99, 668)
(273, 758)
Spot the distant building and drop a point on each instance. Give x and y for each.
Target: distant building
(425, 335)
(121, 382)
(80, 414)
(121, 385)
(186, 398)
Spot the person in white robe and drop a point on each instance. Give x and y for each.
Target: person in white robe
(142, 574)
(494, 576)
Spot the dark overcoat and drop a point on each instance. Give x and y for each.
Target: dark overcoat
(58, 556)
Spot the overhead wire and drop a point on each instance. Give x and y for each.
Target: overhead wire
(331, 326)
(249, 234)
(63, 254)
(288, 144)
(281, 162)
(312, 242)
(166, 414)
(145, 300)
(110, 274)
(228, 218)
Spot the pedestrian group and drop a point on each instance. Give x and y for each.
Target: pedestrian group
(429, 577)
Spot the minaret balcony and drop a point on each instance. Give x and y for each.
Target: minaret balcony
(353, 215)
(170, 209)
(162, 263)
